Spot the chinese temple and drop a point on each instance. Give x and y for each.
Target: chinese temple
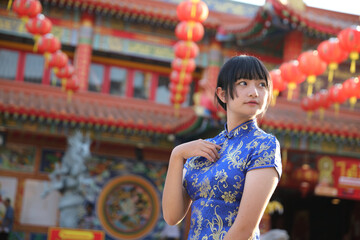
(105, 68)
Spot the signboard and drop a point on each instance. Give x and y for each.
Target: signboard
(338, 177)
(74, 234)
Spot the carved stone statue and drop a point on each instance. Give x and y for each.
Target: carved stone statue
(72, 180)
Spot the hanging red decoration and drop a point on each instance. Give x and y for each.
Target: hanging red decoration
(48, 44)
(26, 9)
(178, 88)
(322, 101)
(187, 65)
(291, 75)
(337, 96)
(65, 73)
(351, 87)
(311, 65)
(71, 86)
(193, 10)
(278, 84)
(58, 60)
(331, 53)
(177, 99)
(349, 41)
(186, 49)
(38, 26)
(180, 77)
(189, 31)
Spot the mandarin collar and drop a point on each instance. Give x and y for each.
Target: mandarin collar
(240, 129)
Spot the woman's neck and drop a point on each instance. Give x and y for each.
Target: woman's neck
(233, 122)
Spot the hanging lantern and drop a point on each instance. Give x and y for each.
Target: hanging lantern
(311, 65)
(186, 49)
(331, 53)
(189, 31)
(26, 9)
(58, 60)
(307, 178)
(349, 41)
(278, 84)
(65, 73)
(337, 96)
(48, 44)
(179, 89)
(322, 101)
(180, 77)
(291, 75)
(177, 99)
(308, 105)
(351, 87)
(38, 26)
(193, 10)
(187, 65)
(71, 86)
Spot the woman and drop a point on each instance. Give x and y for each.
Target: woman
(229, 179)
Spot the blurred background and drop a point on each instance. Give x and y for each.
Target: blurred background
(94, 94)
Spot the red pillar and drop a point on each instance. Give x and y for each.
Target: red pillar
(82, 58)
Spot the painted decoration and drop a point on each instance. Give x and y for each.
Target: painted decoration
(36, 210)
(8, 186)
(128, 207)
(17, 157)
(49, 157)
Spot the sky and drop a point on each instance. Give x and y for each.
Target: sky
(345, 6)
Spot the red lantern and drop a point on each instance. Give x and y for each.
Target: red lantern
(26, 9)
(278, 84)
(58, 60)
(186, 49)
(189, 31)
(308, 104)
(322, 102)
(351, 87)
(337, 96)
(180, 77)
(48, 44)
(192, 11)
(177, 99)
(349, 41)
(331, 53)
(311, 65)
(38, 26)
(291, 75)
(65, 73)
(179, 89)
(71, 86)
(187, 65)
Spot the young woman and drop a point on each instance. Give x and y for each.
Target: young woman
(229, 179)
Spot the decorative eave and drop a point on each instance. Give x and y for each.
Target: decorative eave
(144, 11)
(289, 116)
(275, 15)
(48, 105)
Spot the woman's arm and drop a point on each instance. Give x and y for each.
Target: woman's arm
(175, 200)
(259, 186)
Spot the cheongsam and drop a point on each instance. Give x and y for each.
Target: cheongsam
(216, 187)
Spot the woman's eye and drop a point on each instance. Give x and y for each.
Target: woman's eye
(243, 83)
(262, 84)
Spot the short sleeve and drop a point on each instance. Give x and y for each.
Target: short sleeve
(266, 154)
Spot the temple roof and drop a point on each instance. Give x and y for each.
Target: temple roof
(32, 102)
(35, 101)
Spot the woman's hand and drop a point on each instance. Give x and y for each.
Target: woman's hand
(198, 147)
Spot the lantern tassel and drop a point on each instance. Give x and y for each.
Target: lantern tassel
(310, 80)
(9, 5)
(353, 56)
(322, 113)
(332, 68)
(352, 101)
(309, 115)
(337, 108)
(291, 88)
(69, 96)
(275, 95)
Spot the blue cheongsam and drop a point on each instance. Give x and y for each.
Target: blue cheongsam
(216, 188)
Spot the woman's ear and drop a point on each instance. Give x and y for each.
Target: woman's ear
(221, 94)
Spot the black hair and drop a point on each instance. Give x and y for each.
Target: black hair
(241, 67)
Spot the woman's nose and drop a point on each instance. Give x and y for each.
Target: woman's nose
(253, 91)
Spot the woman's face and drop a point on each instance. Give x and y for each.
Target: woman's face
(250, 98)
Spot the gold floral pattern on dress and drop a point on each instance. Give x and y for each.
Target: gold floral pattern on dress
(229, 197)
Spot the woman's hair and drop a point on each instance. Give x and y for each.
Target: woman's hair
(242, 67)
